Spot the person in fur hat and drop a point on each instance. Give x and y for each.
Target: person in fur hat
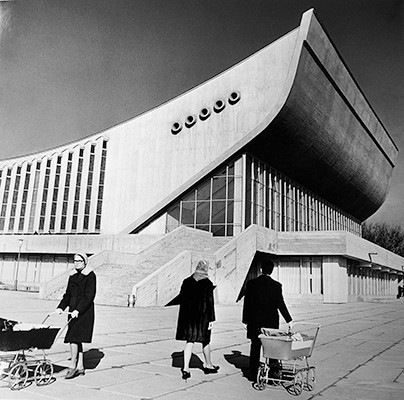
(79, 297)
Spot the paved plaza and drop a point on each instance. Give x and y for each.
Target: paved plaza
(359, 354)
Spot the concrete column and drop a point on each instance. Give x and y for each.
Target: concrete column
(335, 280)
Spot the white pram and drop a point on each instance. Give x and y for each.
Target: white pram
(292, 349)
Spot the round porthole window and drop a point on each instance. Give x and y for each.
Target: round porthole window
(219, 105)
(190, 121)
(204, 113)
(176, 128)
(234, 97)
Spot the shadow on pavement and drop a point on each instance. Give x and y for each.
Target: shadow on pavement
(240, 361)
(58, 368)
(178, 360)
(92, 358)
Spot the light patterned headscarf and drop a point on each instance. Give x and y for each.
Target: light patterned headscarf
(83, 255)
(201, 271)
(80, 267)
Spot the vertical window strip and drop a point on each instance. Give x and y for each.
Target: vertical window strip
(1, 175)
(76, 203)
(34, 197)
(14, 199)
(297, 208)
(89, 188)
(226, 202)
(55, 194)
(5, 199)
(44, 196)
(101, 186)
(24, 198)
(66, 192)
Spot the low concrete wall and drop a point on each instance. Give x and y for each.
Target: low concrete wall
(69, 244)
(337, 243)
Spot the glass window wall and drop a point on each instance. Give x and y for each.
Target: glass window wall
(248, 191)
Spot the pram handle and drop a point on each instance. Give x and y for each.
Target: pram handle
(275, 330)
(307, 323)
(53, 313)
(64, 327)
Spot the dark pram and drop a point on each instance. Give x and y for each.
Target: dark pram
(15, 340)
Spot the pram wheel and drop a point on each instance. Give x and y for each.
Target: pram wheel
(43, 373)
(297, 386)
(260, 384)
(276, 377)
(18, 376)
(4, 367)
(310, 379)
(275, 373)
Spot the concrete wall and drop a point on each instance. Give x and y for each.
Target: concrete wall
(339, 244)
(168, 163)
(69, 244)
(335, 280)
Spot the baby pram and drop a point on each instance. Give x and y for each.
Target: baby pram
(292, 349)
(18, 338)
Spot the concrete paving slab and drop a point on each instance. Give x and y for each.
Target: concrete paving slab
(363, 393)
(151, 387)
(92, 394)
(101, 379)
(7, 394)
(375, 374)
(155, 368)
(117, 359)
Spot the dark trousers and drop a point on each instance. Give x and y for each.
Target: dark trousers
(255, 355)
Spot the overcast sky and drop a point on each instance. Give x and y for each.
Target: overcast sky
(71, 68)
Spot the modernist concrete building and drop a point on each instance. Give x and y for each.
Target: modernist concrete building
(280, 156)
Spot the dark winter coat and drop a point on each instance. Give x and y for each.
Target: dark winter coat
(263, 298)
(196, 310)
(80, 293)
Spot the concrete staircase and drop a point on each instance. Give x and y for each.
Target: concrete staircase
(154, 274)
(119, 272)
(229, 266)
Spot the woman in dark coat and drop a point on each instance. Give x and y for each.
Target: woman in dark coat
(79, 297)
(196, 316)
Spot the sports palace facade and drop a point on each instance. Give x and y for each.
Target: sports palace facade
(281, 156)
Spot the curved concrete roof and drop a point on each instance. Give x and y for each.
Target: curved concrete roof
(326, 136)
(313, 124)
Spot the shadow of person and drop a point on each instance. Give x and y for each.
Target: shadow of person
(240, 361)
(92, 358)
(58, 368)
(178, 360)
